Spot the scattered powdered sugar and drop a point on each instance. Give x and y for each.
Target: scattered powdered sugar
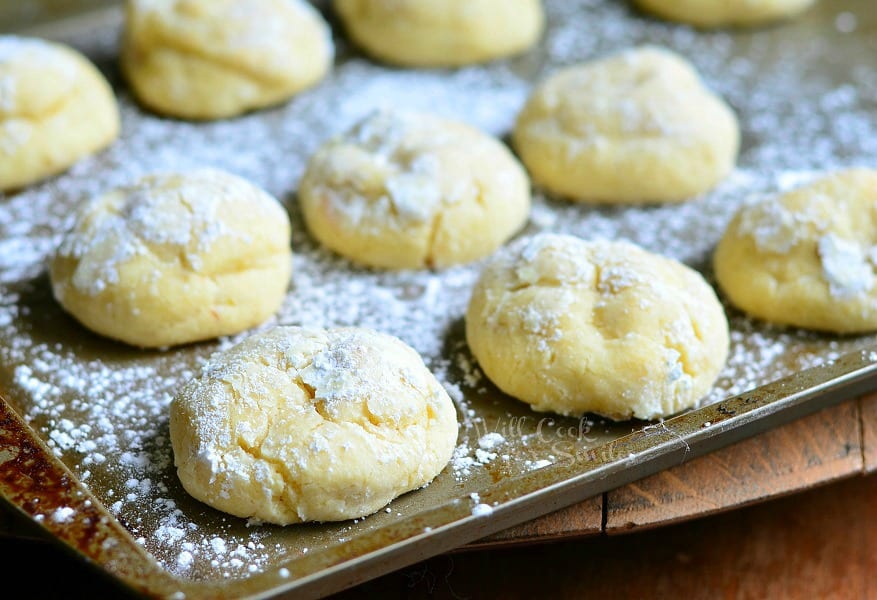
(63, 514)
(489, 441)
(481, 510)
(103, 407)
(774, 228)
(461, 461)
(387, 166)
(160, 210)
(846, 265)
(846, 22)
(483, 456)
(615, 278)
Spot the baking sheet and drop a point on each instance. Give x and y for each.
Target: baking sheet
(806, 93)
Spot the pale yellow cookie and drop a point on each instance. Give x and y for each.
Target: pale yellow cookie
(410, 190)
(635, 127)
(442, 33)
(807, 258)
(175, 258)
(298, 425)
(55, 108)
(721, 13)
(210, 59)
(573, 326)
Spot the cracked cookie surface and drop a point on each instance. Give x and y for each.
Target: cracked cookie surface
(297, 424)
(410, 190)
(639, 126)
(573, 326)
(174, 258)
(808, 257)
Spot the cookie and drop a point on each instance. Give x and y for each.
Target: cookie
(636, 127)
(806, 258)
(174, 258)
(572, 326)
(298, 424)
(431, 33)
(407, 190)
(211, 59)
(722, 13)
(55, 109)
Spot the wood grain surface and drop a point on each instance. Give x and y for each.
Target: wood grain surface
(578, 520)
(817, 545)
(832, 444)
(868, 412)
(819, 448)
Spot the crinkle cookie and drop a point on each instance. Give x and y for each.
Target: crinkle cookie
(297, 424)
(211, 59)
(442, 33)
(55, 109)
(806, 258)
(175, 258)
(573, 326)
(721, 13)
(636, 127)
(405, 190)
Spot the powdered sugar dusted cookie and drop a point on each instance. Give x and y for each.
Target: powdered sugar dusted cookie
(635, 127)
(411, 190)
(433, 33)
(55, 108)
(175, 258)
(574, 326)
(209, 59)
(807, 258)
(297, 424)
(719, 13)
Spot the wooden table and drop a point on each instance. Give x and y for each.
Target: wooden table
(816, 545)
(832, 444)
(819, 543)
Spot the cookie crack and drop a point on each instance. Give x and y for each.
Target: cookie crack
(434, 228)
(217, 61)
(546, 283)
(50, 112)
(281, 470)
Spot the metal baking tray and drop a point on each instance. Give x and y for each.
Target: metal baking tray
(85, 453)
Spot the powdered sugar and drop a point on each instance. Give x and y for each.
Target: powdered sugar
(189, 213)
(13, 134)
(103, 407)
(847, 267)
(8, 90)
(773, 228)
(20, 54)
(13, 47)
(387, 168)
